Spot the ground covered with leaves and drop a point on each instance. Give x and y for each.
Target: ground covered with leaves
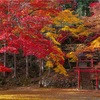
(30, 93)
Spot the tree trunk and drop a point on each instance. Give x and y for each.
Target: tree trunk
(15, 65)
(41, 66)
(4, 62)
(30, 61)
(27, 74)
(69, 64)
(5, 57)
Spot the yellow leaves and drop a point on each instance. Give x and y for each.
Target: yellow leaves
(48, 29)
(56, 58)
(85, 33)
(60, 69)
(58, 51)
(72, 56)
(66, 17)
(49, 64)
(89, 55)
(68, 12)
(67, 21)
(80, 28)
(77, 30)
(53, 57)
(74, 31)
(49, 34)
(54, 41)
(66, 28)
(96, 43)
(53, 37)
(57, 55)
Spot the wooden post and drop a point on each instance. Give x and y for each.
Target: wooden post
(78, 78)
(96, 80)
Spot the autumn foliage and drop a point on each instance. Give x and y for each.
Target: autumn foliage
(39, 27)
(92, 36)
(21, 23)
(93, 25)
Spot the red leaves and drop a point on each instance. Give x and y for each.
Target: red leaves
(39, 4)
(93, 4)
(63, 36)
(5, 36)
(2, 37)
(4, 69)
(39, 46)
(81, 39)
(64, 1)
(36, 22)
(21, 24)
(3, 1)
(95, 8)
(9, 49)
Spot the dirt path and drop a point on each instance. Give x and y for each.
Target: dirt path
(49, 94)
